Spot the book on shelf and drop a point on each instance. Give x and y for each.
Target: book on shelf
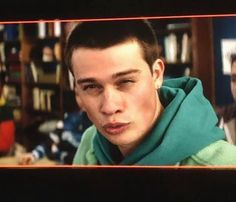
(11, 95)
(42, 99)
(186, 48)
(174, 26)
(170, 43)
(57, 51)
(2, 63)
(34, 72)
(57, 28)
(49, 29)
(42, 30)
(36, 100)
(2, 53)
(177, 48)
(13, 71)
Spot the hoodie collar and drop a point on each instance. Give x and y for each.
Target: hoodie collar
(187, 125)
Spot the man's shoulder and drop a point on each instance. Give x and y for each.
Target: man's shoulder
(89, 133)
(87, 138)
(217, 153)
(85, 154)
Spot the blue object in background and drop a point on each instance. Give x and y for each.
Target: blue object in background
(11, 32)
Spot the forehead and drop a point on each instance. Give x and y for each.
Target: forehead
(119, 56)
(129, 46)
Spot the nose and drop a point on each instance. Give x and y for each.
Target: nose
(112, 102)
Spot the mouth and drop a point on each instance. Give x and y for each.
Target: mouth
(115, 128)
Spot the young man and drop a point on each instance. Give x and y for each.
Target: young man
(139, 119)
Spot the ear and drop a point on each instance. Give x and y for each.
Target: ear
(158, 68)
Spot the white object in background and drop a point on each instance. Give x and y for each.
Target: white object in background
(36, 100)
(49, 94)
(171, 48)
(58, 73)
(57, 29)
(42, 100)
(228, 46)
(185, 54)
(34, 71)
(41, 30)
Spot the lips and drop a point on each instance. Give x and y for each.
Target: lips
(115, 128)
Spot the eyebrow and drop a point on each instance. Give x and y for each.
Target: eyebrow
(124, 73)
(114, 76)
(86, 80)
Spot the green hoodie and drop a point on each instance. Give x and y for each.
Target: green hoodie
(185, 133)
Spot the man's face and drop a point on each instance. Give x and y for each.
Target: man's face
(233, 80)
(118, 91)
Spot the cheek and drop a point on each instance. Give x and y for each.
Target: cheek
(145, 99)
(90, 106)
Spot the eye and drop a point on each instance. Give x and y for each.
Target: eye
(92, 89)
(90, 86)
(125, 83)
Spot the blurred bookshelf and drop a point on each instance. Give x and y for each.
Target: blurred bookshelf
(31, 68)
(175, 46)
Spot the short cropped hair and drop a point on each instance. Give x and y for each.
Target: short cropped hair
(104, 34)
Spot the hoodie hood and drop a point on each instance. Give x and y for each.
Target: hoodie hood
(187, 125)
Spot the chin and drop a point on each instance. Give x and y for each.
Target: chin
(122, 141)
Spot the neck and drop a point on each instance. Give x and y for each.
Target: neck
(126, 150)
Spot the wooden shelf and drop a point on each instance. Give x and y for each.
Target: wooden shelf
(49, 114)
